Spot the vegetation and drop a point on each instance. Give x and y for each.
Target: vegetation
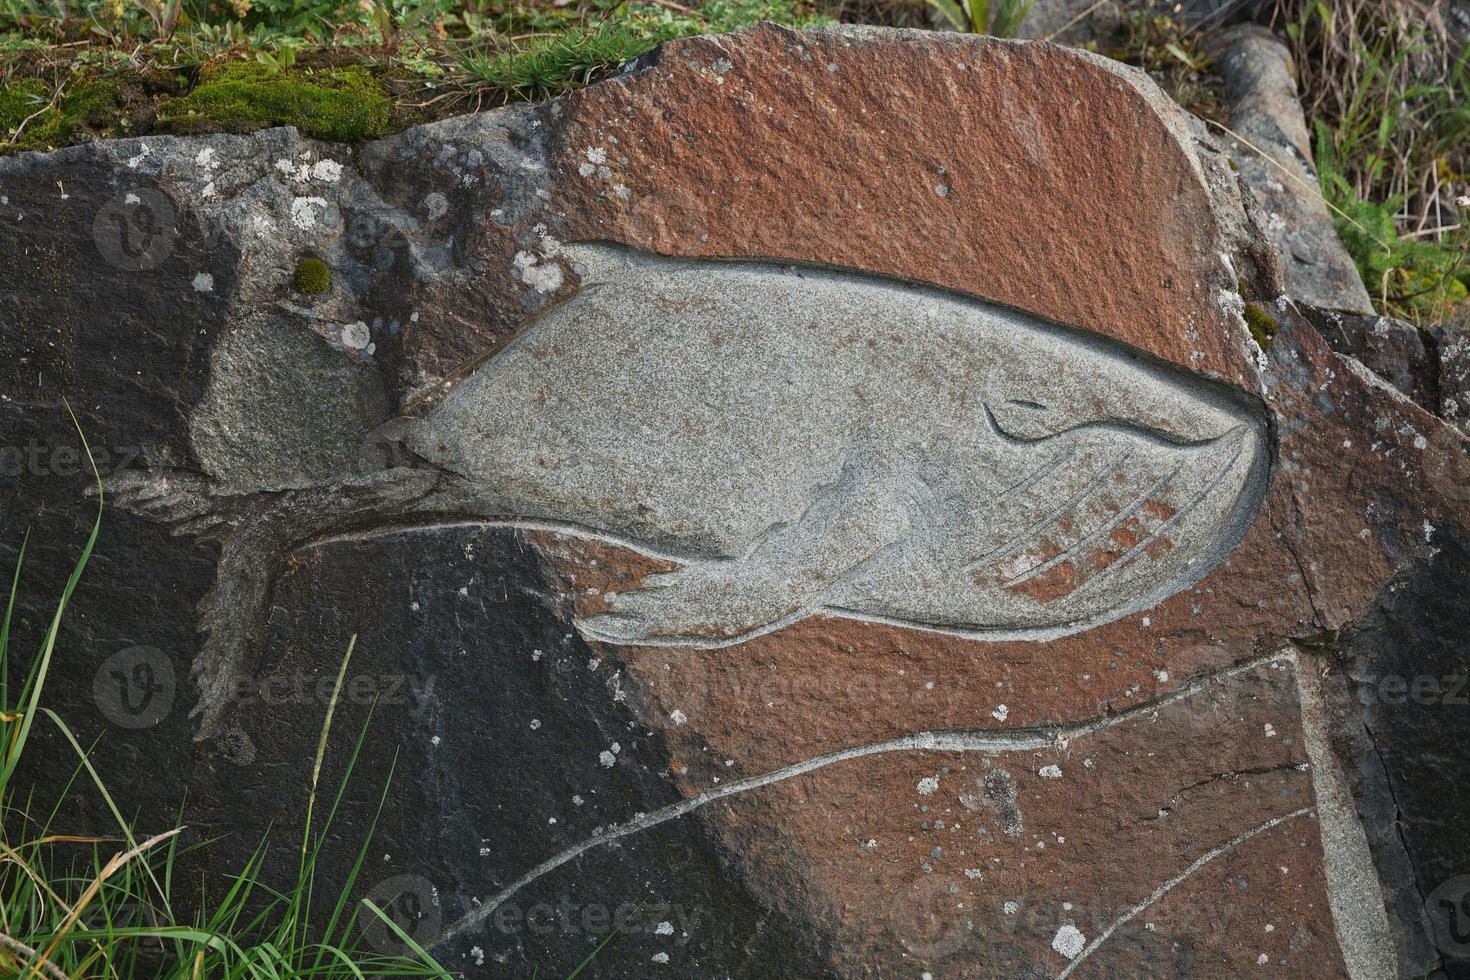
(331, 104)
(90, 906)
(332, 68)
(1389, 94)
(1262, 325)
(312, 277)
(976, 16)
(1387, 90)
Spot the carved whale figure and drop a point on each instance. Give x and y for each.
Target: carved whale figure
(802, 440)
(795, 441)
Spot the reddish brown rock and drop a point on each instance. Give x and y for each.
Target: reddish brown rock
(844, 792)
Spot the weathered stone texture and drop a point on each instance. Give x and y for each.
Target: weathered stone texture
(1271, 146)
(820, 788)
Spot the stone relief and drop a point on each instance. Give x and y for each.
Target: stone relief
(794, 441)
(803, 441)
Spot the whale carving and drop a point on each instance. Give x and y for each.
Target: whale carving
(803, 440)
(800, 441)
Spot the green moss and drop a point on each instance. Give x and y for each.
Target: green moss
(1262, 325)
(312, 277)
(334, 104)
(84, 107)
(566, 55)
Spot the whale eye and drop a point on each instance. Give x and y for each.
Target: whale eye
(1023, 403)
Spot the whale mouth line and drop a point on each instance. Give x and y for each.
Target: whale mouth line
(1161, 437)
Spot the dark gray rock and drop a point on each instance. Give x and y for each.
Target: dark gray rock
(1273, 150)
(1392, 349)
(1453, 347)
(1404, 722)
(815, 798)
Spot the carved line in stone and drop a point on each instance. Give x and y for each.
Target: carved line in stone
(1164, 889)
(988, 741)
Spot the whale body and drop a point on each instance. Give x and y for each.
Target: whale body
(806, 441)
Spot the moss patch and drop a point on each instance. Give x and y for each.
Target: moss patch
(1261, 324)
(89, 108)
(332, 104)
(312, 277)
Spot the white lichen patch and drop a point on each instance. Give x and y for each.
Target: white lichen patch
(1000, 712)
(1069, 941)
(326, 171)
(203, 283)
(356, 335)
(541, 275)
(303, 211)
(1050, 772)
(928, 785)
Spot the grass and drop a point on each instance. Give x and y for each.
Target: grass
(342, 71)
(1388, 94)
(81, 905)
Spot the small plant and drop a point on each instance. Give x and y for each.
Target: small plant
(335, 104)
(1262, 325)
(312, 277)
(1389, 95)
(976, 16)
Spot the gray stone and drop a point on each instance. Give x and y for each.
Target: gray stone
(283, 409)
(788, 438)
(843, 544)
(1272, 148)
(1453, 348)
(1392, 349)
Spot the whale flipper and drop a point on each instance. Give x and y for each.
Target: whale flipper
(713, 602)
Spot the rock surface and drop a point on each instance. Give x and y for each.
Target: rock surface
(1271, 146)
(1392, 349)
(1121, 736)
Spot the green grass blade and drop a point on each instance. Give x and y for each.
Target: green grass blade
(418, 950)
